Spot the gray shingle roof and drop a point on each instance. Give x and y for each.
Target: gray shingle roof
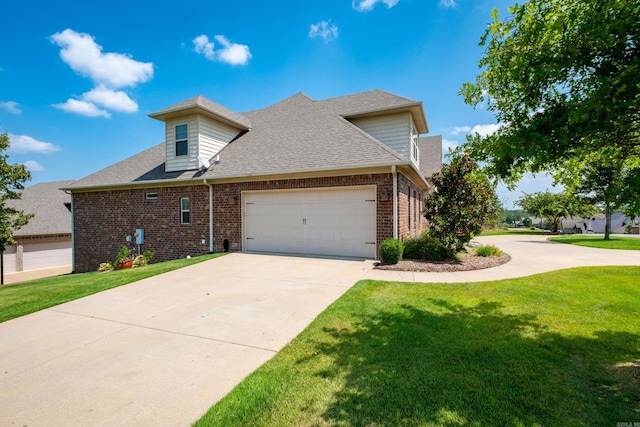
(297, 134)
(49, 204)
(430, 154)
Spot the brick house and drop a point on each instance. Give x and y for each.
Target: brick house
(332, 177)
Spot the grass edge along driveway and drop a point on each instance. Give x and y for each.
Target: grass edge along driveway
(28, 297)
(560, 348)
(615, 242)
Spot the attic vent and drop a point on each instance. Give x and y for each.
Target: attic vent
(151, 196)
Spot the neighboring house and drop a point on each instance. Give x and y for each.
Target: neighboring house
(596, 224)
(333, 177)
(46, 240)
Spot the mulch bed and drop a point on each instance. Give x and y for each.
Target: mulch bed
(467, 262)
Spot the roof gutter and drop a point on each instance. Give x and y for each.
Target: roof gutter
(73, 234)
(210, 214)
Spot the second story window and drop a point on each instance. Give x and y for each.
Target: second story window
(414, 145)
(182, 140)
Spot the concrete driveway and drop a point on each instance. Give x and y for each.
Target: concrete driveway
(160, 351)
(530, 254)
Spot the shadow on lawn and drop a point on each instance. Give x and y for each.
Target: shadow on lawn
(455, 365)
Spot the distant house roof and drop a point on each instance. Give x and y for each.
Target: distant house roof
(295, 135)
(430, 154)
(49, 204)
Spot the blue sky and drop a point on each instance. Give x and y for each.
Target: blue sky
(78, 81)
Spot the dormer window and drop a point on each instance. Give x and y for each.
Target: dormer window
(182, 140)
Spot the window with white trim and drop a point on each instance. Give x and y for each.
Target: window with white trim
(185, 211)
(182, 140)
(414, 144)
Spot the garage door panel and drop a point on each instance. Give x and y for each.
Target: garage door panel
(334, 221)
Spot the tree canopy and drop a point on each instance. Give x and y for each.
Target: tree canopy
(554, 206)
(463, 201)
(563, 79)
(12, 178)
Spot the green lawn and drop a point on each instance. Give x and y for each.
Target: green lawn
(629, 243)
(28, 297)
(503, 231)
(560, 348)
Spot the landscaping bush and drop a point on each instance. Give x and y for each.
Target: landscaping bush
(391, 251)
(488, 250)
(425, 248)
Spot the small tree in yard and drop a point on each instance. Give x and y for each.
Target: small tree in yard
(463, 201)
(554, 207)
(12, 178)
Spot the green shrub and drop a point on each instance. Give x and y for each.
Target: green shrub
(391, 251)
(488, 250)
(106, 266)
(425, 248)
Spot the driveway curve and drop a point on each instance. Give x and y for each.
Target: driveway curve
(530, 254)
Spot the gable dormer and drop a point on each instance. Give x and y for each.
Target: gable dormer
(196, 128)
(398, 128)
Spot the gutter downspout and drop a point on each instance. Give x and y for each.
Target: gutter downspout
(210, 215)
(73, 234)
(395, 201)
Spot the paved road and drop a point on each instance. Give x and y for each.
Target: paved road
(160, 351)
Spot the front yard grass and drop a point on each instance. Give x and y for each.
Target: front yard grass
(34, 295)
(561, 348)
(629, 243)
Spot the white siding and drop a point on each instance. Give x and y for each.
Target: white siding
(189, 161)
(213, 136)
(393, 130)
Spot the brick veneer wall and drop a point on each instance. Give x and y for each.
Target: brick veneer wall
(409, 196)
(227, 200)
(103, 220)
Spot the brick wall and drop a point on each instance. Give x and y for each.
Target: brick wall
(410, 207)
(104, 219)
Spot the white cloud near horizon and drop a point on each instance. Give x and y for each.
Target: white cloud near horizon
(33, 166)
(448, 3)
(230, 53)
(23, 144)
(461, 129)
(11, 107)
(324, 30)
(367, 5)
(108, 71)
(448, 144)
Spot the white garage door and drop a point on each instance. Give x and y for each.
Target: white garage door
(335, 221)
(46, 255)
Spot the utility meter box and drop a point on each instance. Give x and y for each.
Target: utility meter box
(139, 236)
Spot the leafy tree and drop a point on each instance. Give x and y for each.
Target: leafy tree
(563, 79)
(554, 207)
(12, 178)
(463, 201)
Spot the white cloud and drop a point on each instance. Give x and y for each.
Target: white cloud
(460, 129)
(110, 99)
(231, 53)
(367, 5)
(204, 47)
(33, 166)
(448, 145)
(324, 30)
(114, 70)
(447, 3)
(22, 144)
(11, 107)
(485, 130)
(83, 108)
(530, 183)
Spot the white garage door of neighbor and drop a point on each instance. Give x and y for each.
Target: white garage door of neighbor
(46, 255)
(335, 221)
